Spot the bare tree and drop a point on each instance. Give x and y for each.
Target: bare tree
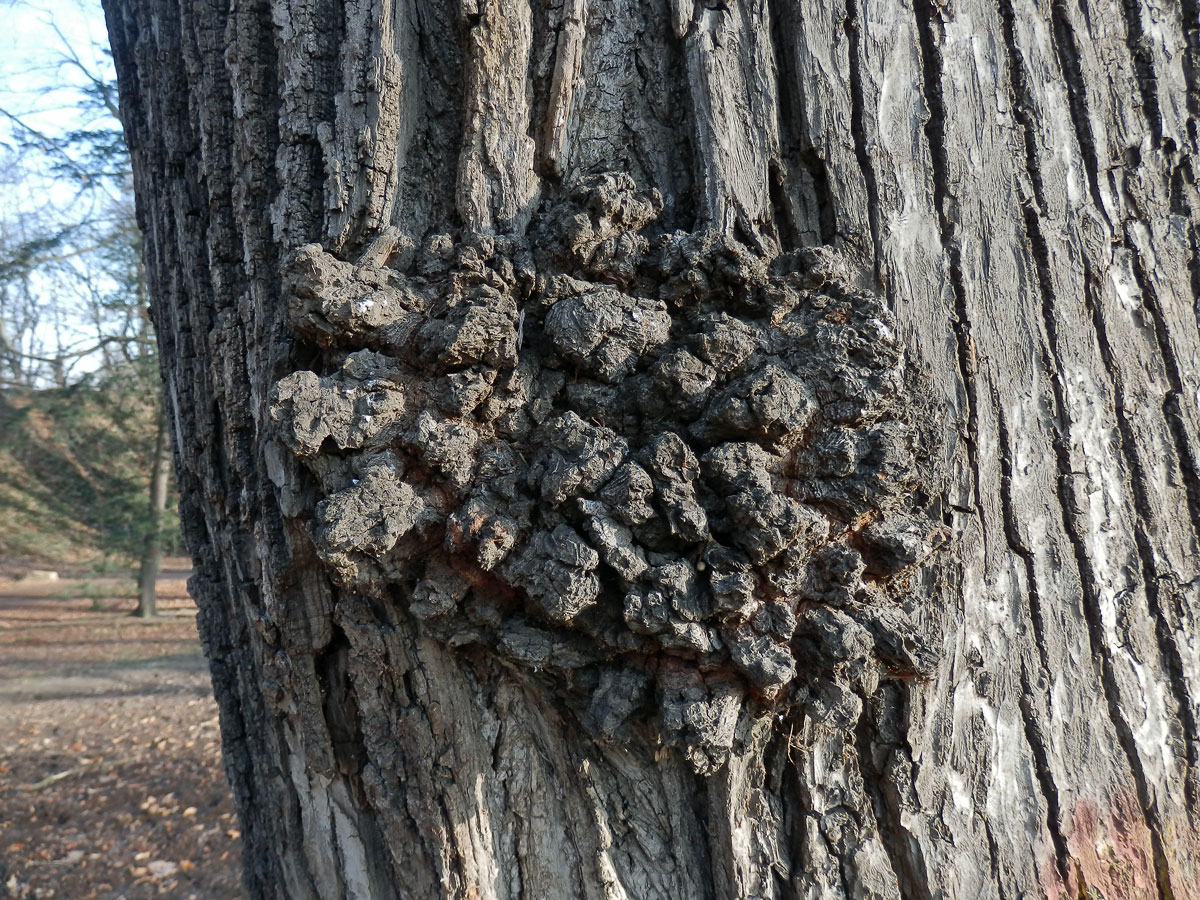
(73, 304)
(687, 449)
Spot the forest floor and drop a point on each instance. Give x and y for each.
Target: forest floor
(111, 786)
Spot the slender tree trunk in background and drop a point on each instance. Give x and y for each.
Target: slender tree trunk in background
(160, 476)
(684, 449)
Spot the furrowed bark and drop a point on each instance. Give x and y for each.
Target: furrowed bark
(682, 449)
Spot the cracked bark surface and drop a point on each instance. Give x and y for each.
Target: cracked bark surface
(686, 449)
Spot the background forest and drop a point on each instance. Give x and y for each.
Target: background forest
(80, 432)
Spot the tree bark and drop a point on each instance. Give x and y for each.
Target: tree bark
(687, 449)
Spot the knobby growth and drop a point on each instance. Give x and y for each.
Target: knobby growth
(673, 475)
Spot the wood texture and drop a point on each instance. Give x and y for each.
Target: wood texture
(1014, 179)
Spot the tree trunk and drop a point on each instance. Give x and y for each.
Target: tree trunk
(160, 475)
(686, 449)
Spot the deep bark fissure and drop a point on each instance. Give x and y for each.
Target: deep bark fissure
(1033, 732)
(994, 861)
(1188, 465)
(1193, 243)
(255, 55)
(339, 705)
(1190, 16)
(331, 73)
(794, 815)
(852, 26)
(819, 174)
(910, 877)
(449, 866)
(1071, 69)
(425, 178)
(1045, 776)
(796, 140)
(424, 857)
(1170, 362)
(1181, 180)
(1033, 207)
(929, 24)
(1143, 67)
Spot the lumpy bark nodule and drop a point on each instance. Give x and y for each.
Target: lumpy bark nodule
(660, 470)
(686, 449)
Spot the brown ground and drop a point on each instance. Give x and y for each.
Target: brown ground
(110, 775)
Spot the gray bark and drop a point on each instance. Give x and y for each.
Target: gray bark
(686, 449)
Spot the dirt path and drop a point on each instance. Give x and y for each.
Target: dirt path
(110, 775)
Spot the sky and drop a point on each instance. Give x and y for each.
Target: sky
(32, 45)
(39, 87)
